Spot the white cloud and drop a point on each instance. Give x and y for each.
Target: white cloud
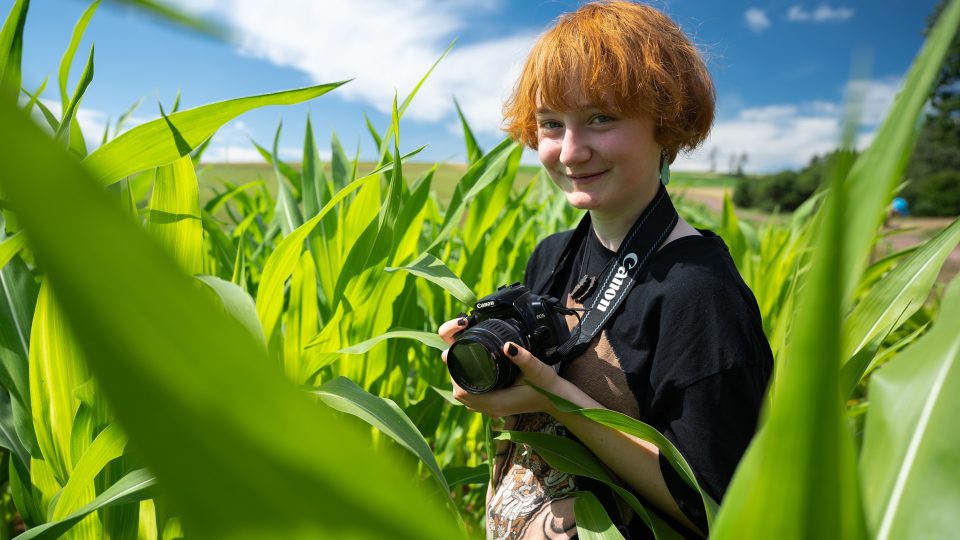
(877, 97)
(775, 137)
(756, 19)
(387, 49)
(238, 153)
(823, 13)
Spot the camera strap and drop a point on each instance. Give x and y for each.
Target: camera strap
(643, 240)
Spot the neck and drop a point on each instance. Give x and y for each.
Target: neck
(612, 226)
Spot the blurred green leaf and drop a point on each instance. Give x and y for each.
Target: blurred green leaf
(909, 471)
(163, 11)
(181, 376)
(803, 456)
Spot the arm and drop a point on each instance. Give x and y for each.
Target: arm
(635, 461)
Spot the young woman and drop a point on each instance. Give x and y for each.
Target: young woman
(608, 97)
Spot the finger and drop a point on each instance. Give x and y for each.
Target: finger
(449, 329)
(531, 367)
(444, 355)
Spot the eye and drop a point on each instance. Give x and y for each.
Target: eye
(601, 119)
(550, 124)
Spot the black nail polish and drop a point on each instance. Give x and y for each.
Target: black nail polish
(462, 321)
(512, 350)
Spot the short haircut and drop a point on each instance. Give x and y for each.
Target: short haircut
(622, 53)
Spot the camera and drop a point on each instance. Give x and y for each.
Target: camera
(476, 360)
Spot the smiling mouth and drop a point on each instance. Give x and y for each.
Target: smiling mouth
(589, 177)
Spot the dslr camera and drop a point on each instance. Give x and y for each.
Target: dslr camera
(476, 360)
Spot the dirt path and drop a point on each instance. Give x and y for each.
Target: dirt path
(917, 229)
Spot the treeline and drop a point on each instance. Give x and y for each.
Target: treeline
(932, 176)
(786, 190)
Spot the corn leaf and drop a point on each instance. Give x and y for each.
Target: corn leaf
(161, 350)
(174, 217)
(900, 293)
(136, 486)
(56, 370)
(479, 475)
(65, 131)
(11, 49)
(10, 247)
(238, 304)
(632, 426)
(802, 456)
(909, 474)
(107, 446)
(151, 144)
(431, 339)
(345, 396)
(593, 523)
(477, 177)
(432, 269)
(474, 153)
(284, 259)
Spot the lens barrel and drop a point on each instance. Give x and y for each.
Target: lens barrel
(476, 361)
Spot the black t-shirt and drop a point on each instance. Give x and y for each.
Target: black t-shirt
(685, 353)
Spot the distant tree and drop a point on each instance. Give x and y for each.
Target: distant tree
(713, 159)
(787, 190)
(938, 143)
(741, 161)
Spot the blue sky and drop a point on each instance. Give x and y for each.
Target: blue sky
(781, 67)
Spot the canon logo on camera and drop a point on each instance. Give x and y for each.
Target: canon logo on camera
(629, 261)
(482, 305)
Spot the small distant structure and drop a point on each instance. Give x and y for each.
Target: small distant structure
(899, 207)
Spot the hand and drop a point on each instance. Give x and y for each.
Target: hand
(516, 399)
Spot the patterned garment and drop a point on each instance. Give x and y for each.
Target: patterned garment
(531, 500)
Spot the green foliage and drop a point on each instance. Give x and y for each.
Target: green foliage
(937, 194)
(934, 169)
(787, 190)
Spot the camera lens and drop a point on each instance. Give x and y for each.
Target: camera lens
(476, 360)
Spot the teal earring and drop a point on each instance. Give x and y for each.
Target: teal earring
(664, 169)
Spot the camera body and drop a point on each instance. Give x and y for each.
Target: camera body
(476, 360)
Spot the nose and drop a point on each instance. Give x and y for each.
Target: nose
(574, 149)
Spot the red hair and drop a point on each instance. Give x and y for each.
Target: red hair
(618, 53)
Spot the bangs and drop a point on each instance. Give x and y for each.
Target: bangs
(577, 65)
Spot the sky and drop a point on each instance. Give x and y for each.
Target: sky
(782, 69)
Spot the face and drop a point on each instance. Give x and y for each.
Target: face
(604, 162)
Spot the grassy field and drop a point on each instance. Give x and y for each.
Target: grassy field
(445, 178)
